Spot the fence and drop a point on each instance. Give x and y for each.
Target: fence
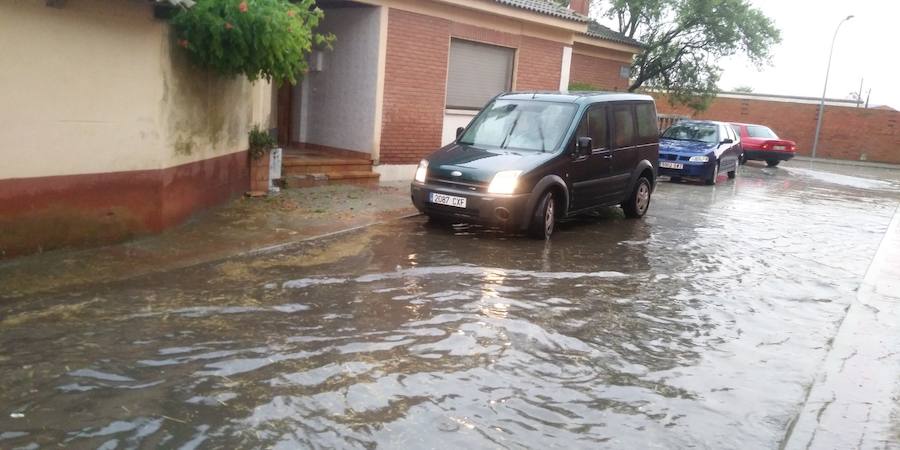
(667, 120)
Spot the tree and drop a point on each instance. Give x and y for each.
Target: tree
(743, 89)
(255, 38)
(685, 39)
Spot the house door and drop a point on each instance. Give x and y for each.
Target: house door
(284, 114)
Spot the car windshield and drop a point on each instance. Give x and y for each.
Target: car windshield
(520, 125)
(757, 131)
(702, 132)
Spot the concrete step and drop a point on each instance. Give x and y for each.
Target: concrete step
(307, 164)
(324, 167)
(318, 179)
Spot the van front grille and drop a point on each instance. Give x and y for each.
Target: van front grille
(456, 184)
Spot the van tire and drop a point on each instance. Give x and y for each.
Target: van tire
(543, 221)
(639, 201)
(772, 162)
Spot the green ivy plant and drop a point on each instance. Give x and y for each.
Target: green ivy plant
(256, 38)
(260, 141)
(576, 86)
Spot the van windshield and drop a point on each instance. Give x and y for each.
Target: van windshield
(520, 125)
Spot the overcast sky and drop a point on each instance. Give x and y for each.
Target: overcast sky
(867, 47)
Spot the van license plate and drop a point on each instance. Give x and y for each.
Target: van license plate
(449, 200)
(671, 165)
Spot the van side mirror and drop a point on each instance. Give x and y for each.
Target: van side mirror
(460, 131)
(727, 141)
(584, 146)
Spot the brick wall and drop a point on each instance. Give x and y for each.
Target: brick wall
(539, 64)
(847, 132)
(598, 72)
(416, 77)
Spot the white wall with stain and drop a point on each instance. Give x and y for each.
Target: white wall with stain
(98, 86)
(337, 98)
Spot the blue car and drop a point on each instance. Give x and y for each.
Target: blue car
(699, 149)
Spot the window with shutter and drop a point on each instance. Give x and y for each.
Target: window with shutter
(477, 73)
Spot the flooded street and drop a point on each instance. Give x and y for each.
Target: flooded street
(701, 326)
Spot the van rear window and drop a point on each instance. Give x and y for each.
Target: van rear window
(646, 121)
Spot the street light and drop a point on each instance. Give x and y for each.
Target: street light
(822, 102)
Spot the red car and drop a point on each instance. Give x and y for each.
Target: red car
(762, 144)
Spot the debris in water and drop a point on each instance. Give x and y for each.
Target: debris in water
(17, 415)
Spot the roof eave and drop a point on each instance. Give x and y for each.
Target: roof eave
(613, 44)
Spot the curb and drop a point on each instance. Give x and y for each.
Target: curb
(847, 162)
(252, 252)
(854, 400)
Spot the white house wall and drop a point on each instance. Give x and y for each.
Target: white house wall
(340, 98)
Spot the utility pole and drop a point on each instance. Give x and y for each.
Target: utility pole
(859, 93)
(825, 89)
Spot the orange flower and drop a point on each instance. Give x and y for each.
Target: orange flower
(291, 13)
(228, 25)
(183, 42)
(243, 7)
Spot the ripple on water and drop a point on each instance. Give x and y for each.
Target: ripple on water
(698, 327)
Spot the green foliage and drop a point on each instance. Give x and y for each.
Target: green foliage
(260, 142)
(743, 89)
(576, 87)
(255, 38)
(685, 39)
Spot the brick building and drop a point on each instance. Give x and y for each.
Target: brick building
(111, 133)
(412, 71)
(849, 131)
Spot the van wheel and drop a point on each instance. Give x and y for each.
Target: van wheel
(712, 180)
(639, 202)
(772, 162)
(543, 221)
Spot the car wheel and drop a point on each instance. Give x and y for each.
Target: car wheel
(543, 222)
(712, 180)
(772, 162)
(733, 173)
(639, 202)
(743, 159)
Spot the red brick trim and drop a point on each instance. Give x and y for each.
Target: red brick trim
(43, 213)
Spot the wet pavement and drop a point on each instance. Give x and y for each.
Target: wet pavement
(705, 325)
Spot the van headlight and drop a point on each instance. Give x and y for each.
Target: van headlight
(422, 170)
(504, 182)
(703, 158)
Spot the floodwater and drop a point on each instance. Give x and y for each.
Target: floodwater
(701, 326)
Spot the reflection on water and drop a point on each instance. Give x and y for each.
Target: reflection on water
(699, 326)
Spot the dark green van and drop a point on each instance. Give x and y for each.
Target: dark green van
(529, 159)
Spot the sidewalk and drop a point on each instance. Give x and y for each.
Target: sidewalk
(243, 225)
(855, 400)
(847, 162)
